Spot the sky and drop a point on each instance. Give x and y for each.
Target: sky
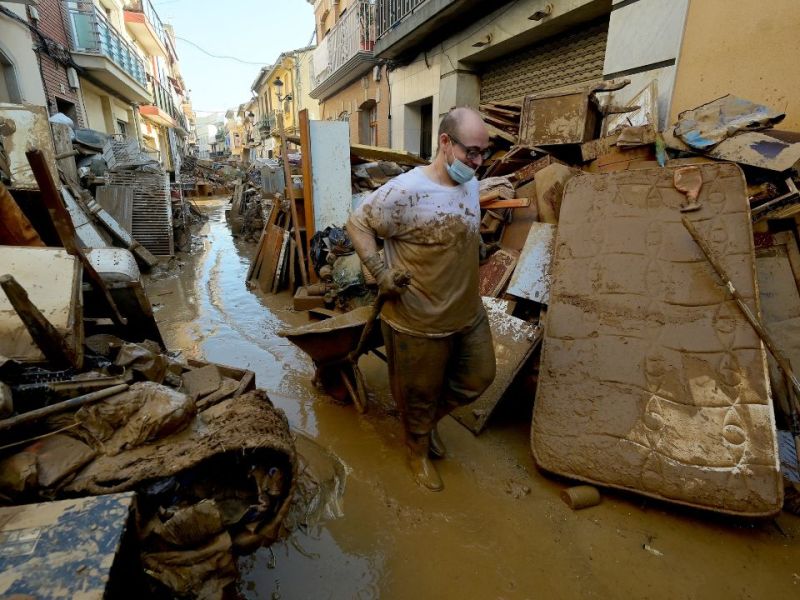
(255, 31)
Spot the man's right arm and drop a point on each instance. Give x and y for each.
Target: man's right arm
(363, 241)
(363, 234)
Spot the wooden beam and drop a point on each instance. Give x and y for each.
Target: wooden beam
(42, 413)
(306, 164)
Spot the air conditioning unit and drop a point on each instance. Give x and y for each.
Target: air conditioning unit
(72, 78)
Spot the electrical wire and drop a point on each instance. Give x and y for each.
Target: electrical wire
(222, 57)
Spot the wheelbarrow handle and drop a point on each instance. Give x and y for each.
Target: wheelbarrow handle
(402, 279)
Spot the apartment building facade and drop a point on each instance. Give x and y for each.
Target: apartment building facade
(284, 86)
(129, 75)
(348, 81)
(445, 53)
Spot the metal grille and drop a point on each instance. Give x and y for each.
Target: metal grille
(570, 58)
(391, 12)
(152, 208)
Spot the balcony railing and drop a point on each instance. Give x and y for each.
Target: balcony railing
(352, 34)
(146, 7)
(163, 100)
(90, 31)
(390, 12)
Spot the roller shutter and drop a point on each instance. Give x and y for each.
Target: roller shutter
(571, 57)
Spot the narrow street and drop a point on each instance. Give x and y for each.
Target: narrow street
(499, 529)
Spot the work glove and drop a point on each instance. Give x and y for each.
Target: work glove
(391, 282)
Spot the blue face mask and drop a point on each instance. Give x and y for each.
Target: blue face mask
(459, 172)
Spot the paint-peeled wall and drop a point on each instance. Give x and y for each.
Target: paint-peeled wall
(746, 48)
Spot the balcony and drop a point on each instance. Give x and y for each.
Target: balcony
(404, 27)
(164, 112)
(346, 52)
(103, 53)
(145, 25)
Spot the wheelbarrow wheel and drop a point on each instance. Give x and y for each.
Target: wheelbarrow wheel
(359, 400)
(361, 390)
(329, 380)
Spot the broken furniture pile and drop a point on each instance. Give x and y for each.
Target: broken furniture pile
(650, 375)
(90, 401)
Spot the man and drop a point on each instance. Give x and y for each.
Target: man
(436, 330)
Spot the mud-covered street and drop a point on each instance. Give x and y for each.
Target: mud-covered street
(498, 530)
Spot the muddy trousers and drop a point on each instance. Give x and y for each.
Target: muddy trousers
(430, 377)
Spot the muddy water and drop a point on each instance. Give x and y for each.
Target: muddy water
(498, 530)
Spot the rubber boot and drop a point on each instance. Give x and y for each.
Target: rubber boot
(437, 448)
(423, 470)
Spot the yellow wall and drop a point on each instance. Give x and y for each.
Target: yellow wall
(750, 49)
(94, 109)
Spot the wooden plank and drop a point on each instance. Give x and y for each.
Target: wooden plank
(308, 187)
(281, 265)
(502, 111)
(500, 122)
(496, 132)
(63, 147)
(513, 203)
(292, 266)
(258, 259)
(514, 342)
(379, 153)
(272, 249)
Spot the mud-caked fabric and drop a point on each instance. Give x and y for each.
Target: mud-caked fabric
(432, 376)
(433, 231)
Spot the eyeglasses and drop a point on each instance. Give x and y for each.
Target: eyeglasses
(473, 152)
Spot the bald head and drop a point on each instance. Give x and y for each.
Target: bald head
(463, 121)
(462, 127)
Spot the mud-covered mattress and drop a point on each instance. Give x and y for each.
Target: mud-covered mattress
(651, 378)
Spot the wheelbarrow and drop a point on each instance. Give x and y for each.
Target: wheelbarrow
(335, 346)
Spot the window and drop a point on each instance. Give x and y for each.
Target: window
(9, 91)
(122, 128)
(67, 108)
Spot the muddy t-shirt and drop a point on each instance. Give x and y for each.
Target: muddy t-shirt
(432, 231)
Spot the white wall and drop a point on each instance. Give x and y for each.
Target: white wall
(409, 85)
(17, 45)
(644, 34)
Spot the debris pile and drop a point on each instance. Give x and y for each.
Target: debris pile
(596, 193)
(91, 403)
